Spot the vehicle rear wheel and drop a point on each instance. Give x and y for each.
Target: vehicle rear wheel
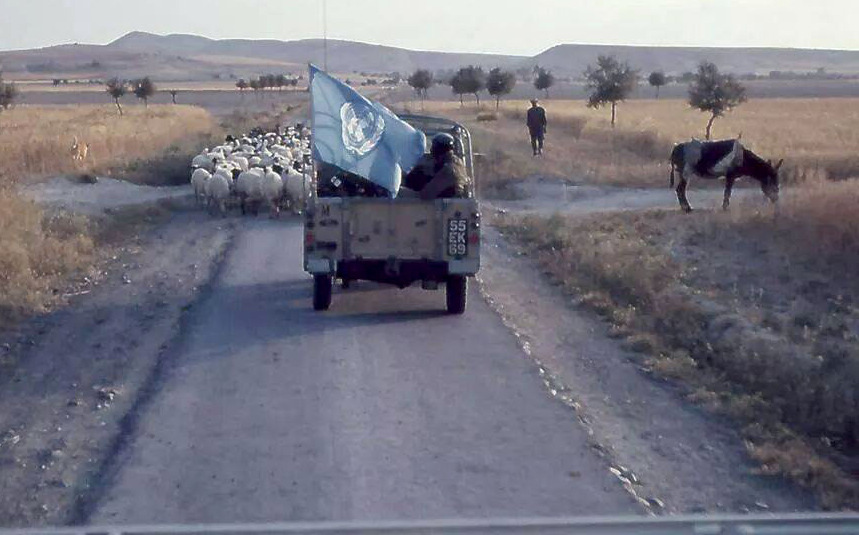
(322, 291)
(457, 290)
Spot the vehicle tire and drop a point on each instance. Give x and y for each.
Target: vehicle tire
(322, 291)
(345, 283)
(457, 290)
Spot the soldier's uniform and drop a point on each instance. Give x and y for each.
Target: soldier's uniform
(450, 179)
(440, 174)
(422, 173)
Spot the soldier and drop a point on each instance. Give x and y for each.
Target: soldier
(440, 174)
(536, 121)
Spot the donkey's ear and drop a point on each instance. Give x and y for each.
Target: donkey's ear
(778, 165)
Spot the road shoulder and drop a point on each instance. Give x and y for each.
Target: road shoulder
(669, 453)
(80, 371)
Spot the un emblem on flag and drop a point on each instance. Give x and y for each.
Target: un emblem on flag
(362, 127)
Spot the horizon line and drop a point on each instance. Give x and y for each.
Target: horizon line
(522, 56)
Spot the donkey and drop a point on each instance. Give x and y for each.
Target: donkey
(716, 159)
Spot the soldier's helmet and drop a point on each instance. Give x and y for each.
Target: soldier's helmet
(442, 144)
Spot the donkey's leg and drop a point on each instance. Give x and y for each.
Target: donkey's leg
(681, 194)
(729, 185)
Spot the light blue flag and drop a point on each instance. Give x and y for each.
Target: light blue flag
(361, 136)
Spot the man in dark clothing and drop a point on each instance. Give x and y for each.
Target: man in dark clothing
(536, 121)
(440, 174)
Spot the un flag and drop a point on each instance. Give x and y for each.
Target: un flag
(361, 136)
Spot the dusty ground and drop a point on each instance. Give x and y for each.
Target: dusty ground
(550, 196)
(196, 375)
(104, 196)
(78, 373)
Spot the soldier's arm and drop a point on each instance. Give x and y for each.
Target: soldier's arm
(442, 180)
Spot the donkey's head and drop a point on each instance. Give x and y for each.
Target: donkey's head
(769, 182)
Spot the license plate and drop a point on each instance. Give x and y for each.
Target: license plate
(457, 237)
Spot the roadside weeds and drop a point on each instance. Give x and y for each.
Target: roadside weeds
(647, 275)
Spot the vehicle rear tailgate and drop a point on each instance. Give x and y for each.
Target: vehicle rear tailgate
(398, 228)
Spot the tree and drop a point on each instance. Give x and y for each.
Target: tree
(268, 81)
(421, 80)
(543, 79)
(173, 94)
(500, 83)
(242, 84)
(280, 81)
(8, 94)
(143, 88)
(657, 79)
(255, 85)
(714, 93)
(458, 86)
(472, 80)
(117, 88)
(609, 82)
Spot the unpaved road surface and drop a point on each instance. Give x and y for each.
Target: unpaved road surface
(243, 404)
(547, 196)
(382, 408)
(68, 193)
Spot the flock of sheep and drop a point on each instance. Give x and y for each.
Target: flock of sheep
(261, 168)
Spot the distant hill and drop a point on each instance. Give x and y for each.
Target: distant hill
(190, 57)
(572, 59)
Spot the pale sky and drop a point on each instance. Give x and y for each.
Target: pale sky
(524, 27)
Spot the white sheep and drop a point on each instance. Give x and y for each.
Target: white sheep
(249, 188)
(296, 185)
(225, 171)
(202, 161)
(199, 178)
(241, 161)
(218, 192)
(272, 191)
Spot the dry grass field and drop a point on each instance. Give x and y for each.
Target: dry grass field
(42, 250)
(816, 137)
(35, 142)
(755, 328)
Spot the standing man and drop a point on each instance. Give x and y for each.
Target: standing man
(536, 121)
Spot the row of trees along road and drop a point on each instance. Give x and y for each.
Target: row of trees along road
(608, 83)
(267, 81)
(472, 80)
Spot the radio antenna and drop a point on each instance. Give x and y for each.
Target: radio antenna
(325, 35)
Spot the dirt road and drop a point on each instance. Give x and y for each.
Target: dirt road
(256, 408)
(547, 196)
(384, 407)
